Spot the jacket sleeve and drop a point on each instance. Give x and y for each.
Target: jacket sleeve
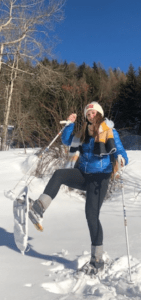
(119, 147)
(67, 135)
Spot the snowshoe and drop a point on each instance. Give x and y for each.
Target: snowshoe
(91, 268)
(20, 212)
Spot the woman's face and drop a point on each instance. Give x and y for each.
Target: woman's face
(91, 114)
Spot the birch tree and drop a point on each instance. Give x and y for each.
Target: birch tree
(25, 34)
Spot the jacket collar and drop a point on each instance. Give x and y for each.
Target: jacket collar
(103, 127)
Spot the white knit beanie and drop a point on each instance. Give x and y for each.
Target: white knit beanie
(94, 105)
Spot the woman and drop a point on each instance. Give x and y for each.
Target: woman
(96, 143)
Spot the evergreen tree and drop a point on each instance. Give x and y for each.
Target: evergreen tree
(138, 101)
(80, 71)
(95, 67)
(125, 109)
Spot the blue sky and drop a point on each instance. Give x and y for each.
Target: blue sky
(105, 31)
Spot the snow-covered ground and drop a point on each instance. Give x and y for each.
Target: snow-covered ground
(46, 271)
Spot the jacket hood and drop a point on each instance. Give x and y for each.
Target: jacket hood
(109, 123)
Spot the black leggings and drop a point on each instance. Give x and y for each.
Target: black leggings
(95, 186)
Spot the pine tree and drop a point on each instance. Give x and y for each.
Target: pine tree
(80, 71)
(138, 101)
(125, 109)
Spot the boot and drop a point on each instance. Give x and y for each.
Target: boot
(96, 263)
(37, 210)
(96, 257)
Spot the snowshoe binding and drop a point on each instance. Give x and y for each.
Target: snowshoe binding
(90, 268)
(36, 214)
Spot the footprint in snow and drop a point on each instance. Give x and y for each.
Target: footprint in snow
(53, 266)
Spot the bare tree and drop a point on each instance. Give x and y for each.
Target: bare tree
(25, 27)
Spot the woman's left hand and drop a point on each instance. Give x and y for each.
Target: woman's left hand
(72, 118)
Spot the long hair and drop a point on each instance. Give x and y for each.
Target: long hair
(84, 135)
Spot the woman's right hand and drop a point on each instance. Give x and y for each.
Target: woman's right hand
(72, 118)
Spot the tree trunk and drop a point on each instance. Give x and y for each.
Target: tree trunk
(7, 107)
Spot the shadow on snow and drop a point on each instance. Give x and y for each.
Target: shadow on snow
(7, 239)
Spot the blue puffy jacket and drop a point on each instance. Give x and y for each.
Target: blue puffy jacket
(88, 162)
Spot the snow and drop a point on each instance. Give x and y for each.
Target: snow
(47, 270)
